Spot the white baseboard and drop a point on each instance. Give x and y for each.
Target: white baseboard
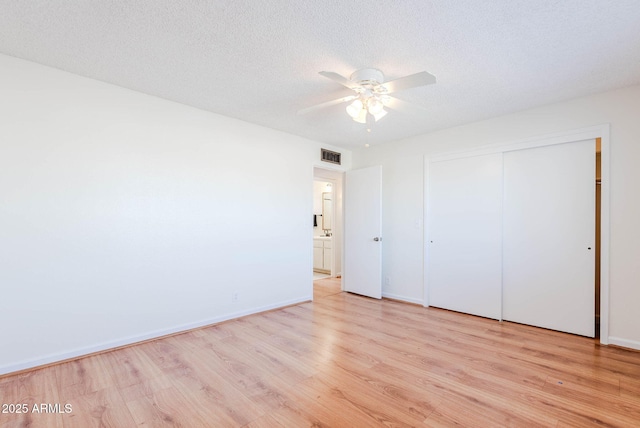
(625, 343)
(402, 298)
(91, 349)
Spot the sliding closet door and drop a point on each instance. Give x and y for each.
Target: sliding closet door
(549, 228)
(465, 203)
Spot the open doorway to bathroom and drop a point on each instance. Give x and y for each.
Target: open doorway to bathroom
(327, 230)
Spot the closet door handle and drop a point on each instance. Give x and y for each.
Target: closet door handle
(377, 238)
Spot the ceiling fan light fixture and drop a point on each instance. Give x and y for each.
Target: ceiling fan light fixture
(355, 108)
(362, 116)
(374, 105)
(377, 116)
(371, 93)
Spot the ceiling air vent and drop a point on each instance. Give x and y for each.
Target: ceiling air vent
(329, 156)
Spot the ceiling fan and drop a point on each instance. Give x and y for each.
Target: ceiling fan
(372, 93)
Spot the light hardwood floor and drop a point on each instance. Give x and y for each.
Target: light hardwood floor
(342, 361)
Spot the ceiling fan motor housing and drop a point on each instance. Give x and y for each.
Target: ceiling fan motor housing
(368, 77)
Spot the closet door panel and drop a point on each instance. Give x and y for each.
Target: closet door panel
(464, 262)
(549, 234)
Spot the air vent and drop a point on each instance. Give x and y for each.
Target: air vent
(329, 156)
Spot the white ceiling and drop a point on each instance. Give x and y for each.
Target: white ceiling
(258, 60)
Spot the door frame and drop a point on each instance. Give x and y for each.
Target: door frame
(599, 131)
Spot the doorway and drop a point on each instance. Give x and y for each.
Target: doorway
(327, 226)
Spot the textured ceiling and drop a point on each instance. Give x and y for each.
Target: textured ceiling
(258, 60)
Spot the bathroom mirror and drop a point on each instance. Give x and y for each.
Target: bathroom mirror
(327, 210)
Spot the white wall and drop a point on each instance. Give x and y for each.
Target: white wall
(124, 216)
(403, 194)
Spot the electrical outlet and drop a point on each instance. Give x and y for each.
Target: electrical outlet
(387, 280)
(234, 297)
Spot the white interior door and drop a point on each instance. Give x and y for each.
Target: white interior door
(549, 228)
(363, 232)
(465, 235)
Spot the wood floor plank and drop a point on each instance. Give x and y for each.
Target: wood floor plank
(103, 408)
(35, 388)
(266, 421)
(213, 391)
(169, 408)
(129, 366)
(83, 376)
(146, 388)
(470, 410)
(362, 406)
(630, 389)
(575, 384)
(528, 402)
(465, 384)
(326, 287)
(342, 360)
(581, 413)
(602, 405)
(416, 403)
(296, 405)
(203, 385)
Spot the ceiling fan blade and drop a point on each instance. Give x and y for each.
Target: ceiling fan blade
(419, 79)
(340, 79)
(327, 104)
(402, 106)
